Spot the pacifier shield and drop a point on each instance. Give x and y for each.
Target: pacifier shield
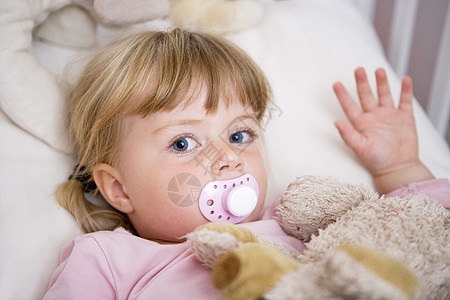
(229, 201)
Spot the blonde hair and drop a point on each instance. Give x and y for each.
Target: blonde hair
(139, 75)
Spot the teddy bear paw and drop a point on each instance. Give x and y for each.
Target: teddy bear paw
(211, 240)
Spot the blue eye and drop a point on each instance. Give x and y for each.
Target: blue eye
(239, 137)
(184, 144)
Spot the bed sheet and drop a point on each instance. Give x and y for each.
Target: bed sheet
(303, 46)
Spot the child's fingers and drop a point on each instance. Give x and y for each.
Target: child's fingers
(406, 96)
(351, 110)
(366, 97)
(383, 89)
(351, 137)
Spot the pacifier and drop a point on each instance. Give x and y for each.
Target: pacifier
(230, 200)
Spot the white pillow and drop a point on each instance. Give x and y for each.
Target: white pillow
(33, 227)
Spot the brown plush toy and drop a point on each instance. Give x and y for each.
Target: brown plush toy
(359, 246)
(217, 15)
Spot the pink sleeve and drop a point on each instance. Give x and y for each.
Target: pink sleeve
(438, 189)
(84, 273)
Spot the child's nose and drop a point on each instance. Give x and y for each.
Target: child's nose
(229, 161)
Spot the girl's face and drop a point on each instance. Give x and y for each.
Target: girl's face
(167, 157)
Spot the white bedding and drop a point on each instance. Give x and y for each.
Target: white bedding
(304, 46)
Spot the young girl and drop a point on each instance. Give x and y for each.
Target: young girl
(166, 126)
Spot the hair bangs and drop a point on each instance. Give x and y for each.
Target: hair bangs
(182, 64)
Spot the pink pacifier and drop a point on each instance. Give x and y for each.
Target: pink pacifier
(229, 201)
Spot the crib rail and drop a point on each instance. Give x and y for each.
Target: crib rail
(434, 89)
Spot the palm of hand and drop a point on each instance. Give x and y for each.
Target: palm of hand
(382, 136)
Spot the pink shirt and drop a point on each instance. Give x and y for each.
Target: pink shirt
(118, 265)
(438, 189)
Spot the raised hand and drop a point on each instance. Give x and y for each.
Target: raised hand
(383, 136)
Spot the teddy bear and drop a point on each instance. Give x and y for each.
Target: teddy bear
(359, 246)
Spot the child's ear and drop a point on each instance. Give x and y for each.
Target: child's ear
(109, 182)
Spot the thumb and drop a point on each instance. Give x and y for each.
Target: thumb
(351, 137)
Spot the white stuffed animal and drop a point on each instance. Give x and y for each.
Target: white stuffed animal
(27, 90)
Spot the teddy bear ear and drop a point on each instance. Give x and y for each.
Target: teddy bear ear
(313, 202)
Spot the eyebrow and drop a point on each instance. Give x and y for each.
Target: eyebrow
(184, 122)
(181, 122)
(246, 116)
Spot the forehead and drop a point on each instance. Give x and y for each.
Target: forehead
(195, 107)
(197, 99)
